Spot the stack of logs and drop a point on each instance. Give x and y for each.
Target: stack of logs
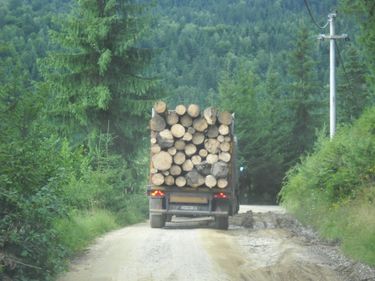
(190, 148)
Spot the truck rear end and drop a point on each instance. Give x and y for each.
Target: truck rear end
(206, 183)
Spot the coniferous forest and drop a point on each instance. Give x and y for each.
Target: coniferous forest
(78, 79)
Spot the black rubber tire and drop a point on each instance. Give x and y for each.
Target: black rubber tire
(221, 222)
(157, 221)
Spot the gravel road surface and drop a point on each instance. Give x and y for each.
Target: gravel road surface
(262, 243)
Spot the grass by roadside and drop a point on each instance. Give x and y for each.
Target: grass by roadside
(333, 189)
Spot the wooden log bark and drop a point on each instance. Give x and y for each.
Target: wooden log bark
(187, 137)
(196, 159)
(186, 121)
(194, 179)
(160, 107)
(225, 118)
(178, 130)
(222, 183)
(203, 153)
(188, 165)
(212, 158)
(223, 130)
(193, 110)
(169, 180)
(191, 130)
(190, 149)
(157, 123)
(210, 114)
(225, 146)
(175, 170)
(224, 156)
(220, 138)
(212, 146)
(180, 109)
(179, 158)
(210, 181)
(198, 138)
(172, 118)
(219, 169)
(180, 145)
(155, 148)
(212, 132)
(157, 179)
(162, 161)
(200, 124)
(204, 168)
(180, 181)
(172, 151)
(165, 139)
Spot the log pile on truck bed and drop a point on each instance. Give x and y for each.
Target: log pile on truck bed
(190, 147)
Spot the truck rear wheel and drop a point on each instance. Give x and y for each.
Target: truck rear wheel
(157, 221)
(221, 222)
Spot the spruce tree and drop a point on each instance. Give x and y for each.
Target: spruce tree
(304, 97)
(96, 77)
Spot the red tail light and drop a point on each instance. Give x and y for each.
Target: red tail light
(220, 195)
(157, 193)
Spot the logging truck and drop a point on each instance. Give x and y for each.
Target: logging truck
(193, 164)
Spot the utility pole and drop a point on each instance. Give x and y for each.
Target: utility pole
(332, 73)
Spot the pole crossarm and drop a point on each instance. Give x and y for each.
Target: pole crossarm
(334, 37)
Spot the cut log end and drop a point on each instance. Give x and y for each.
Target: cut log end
(180, 109)
(180, 181)
(210, 181)
(222, 183)
(157, 179)
(160, 107)
(162, 161)
(193, 110)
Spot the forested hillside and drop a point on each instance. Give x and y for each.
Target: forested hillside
(261, 60)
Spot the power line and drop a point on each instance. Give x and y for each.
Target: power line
(312, 17)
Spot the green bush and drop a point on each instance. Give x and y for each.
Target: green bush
(78, 229)
(333, 188)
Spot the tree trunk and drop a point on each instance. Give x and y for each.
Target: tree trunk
(224, 156)
(165, 139)
(157, 179)
(222, 183)
(203, 153)
(178, 130)
(194, 179)
(196, 159)
(210, 181)
(169, 180)
(191, 130)
(225, 146)
(198, 138)
(212, 132)
(219, 169)
(162, 161)
(179, 158)
(180, 109)
(179, 145)
(155, 148)
(212, 158)
(175, 170)
(224, 130)
(172, 118)
(172, 151)
(225, 118)
(193, 110)
(186, 121)
(204, 168)
(210, 114)
(157, 123)
(180, 181)
(190, 149)
(160, 107)
(188, 165)
(212, 146)
(220, 138)
(187, 137)
(200, 124)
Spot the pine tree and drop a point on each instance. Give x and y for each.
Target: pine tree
(353, 95)
(304, 97)
(96, 78)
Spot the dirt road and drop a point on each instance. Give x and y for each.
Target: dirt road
(262, 244)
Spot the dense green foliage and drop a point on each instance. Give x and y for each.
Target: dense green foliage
(333, 188)
(68, 168)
